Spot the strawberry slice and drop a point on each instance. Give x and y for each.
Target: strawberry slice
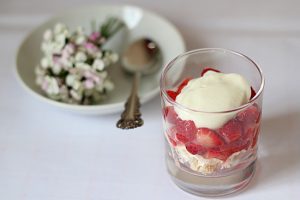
(170, 115)
(182, 85)
(250, 115)
(186, 130)
(172, 94)
(183, 137)
(231, 131)
(195, 148)
(186, 126)
(253, 93)
(207, 138)
(206, 69)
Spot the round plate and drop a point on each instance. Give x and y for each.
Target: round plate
(141, 23)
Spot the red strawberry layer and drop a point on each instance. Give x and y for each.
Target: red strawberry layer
(231, 131)
(186, 130)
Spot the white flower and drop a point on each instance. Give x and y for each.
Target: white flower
(66, 32)
(59, 28)
(52, 88)
(80, 39)
(70, 79)
(56, 68)
(45, 63)
(108, 85)
(47, 47)
(87, 74)
(66, 63)
(80, 56)
(57, 46)
(60, 38)
(39, 71)
(77, 85)
(83, 66)
(76, 95)
(50, 59)
(69, 49)
(98, 64)
(114, 57)
(48, 35)
(79, 30)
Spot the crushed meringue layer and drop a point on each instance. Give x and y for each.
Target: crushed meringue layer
(206, 166)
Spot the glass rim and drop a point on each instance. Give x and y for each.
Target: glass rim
(170, 64)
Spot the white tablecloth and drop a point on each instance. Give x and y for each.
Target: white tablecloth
(48, 154)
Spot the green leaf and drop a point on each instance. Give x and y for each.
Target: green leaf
(111, 26)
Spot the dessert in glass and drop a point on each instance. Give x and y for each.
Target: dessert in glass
(211, 103)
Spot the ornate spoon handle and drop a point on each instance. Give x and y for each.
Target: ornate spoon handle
(131, 116)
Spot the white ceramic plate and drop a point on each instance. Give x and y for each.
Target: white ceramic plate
(141, 23)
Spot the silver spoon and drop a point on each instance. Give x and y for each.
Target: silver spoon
(140, 58)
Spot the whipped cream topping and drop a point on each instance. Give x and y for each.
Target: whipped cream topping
(213, 92)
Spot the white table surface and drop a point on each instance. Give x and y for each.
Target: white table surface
(46, 154)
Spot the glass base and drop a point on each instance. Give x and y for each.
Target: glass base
(210, 186)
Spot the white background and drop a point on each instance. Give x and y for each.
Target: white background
(48, 154)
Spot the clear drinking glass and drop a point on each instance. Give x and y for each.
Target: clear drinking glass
(226, 168)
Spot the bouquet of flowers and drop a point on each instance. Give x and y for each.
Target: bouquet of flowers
(74, 65)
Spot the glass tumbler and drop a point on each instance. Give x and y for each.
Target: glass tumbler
(229, 165)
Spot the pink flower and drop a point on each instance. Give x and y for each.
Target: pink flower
(68, 50)
(96, 79)
(56, 59)
(89, 84)
(90, 47)
(45, 85)
(94, 36)
(92, 76)
(87, 74)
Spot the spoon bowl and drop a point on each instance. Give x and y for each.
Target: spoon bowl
(141, 56)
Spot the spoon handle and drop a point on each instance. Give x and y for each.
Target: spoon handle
(131, 116)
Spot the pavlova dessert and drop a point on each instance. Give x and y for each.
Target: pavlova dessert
(205, 129)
